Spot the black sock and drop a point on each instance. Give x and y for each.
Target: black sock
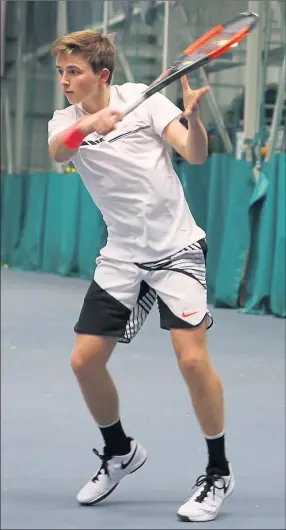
(116, 441)
(217, 458)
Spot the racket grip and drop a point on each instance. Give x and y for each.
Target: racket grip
(133, 104)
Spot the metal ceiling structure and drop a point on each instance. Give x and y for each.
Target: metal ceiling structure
(148, 35)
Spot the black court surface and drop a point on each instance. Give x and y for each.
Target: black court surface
(48, 435)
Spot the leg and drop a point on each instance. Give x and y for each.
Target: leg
(206, 392)
(101, 324)
(202, 380)
(102, 313)
(88, 360)
(182, 298)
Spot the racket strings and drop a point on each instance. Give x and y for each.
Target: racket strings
(215, 43)
(220, 37)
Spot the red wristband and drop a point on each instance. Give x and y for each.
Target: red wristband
(72, 137)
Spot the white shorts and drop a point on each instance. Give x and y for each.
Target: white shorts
(121, 295)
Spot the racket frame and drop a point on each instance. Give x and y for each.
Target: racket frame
(172, 73)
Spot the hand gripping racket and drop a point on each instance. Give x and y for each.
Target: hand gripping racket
(208, 47)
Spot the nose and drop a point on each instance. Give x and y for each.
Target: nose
(64, 82)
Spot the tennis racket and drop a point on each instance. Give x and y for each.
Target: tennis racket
(208, 47)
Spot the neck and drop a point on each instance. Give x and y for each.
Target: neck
(98, 102)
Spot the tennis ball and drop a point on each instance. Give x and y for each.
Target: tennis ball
(264, 151)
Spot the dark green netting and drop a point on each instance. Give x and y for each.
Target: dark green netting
(50, 224)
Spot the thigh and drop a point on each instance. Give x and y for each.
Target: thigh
(182, 291)
(109, 300)
(182, 301)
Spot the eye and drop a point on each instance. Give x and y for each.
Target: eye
(60, 72)
(74, 72)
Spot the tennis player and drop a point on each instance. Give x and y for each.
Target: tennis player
(154, 251)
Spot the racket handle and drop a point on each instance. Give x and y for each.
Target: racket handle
(133, 104)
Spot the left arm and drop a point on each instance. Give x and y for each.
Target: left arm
(191, 143)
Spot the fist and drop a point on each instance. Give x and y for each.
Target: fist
(102, 122)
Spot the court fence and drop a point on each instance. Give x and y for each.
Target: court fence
(49, 224)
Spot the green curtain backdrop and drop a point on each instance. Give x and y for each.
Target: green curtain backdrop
(50, 224)
(266, 286)
(222, 208)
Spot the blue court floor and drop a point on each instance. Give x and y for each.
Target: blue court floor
(48, 435)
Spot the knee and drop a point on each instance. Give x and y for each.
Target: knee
(89, 352)
(83, 360)
(79, 359)
(193, 364)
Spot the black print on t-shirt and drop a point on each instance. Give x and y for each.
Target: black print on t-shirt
(93, 142)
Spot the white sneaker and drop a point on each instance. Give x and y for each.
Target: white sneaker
(112, 470)
(205, 504)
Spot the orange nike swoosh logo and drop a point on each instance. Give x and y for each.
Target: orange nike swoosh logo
(186, 315)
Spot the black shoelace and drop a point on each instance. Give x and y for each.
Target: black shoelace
(103, 468)
(209, 480)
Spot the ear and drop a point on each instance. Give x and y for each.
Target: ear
(104, 75)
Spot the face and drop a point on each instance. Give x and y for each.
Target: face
(77, 79)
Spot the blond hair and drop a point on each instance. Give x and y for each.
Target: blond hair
(94, 46)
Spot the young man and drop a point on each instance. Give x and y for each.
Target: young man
(154, 250)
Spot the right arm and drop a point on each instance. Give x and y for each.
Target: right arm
(102, 122)
(58, 151)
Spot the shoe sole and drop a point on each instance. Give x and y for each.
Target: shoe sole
(99, 499)
(186, 519)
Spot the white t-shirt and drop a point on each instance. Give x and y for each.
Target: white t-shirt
(130, 177)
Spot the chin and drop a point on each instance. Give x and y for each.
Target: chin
(73, 99)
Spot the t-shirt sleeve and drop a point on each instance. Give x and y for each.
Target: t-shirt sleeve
(59, 122)
(162, 111)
